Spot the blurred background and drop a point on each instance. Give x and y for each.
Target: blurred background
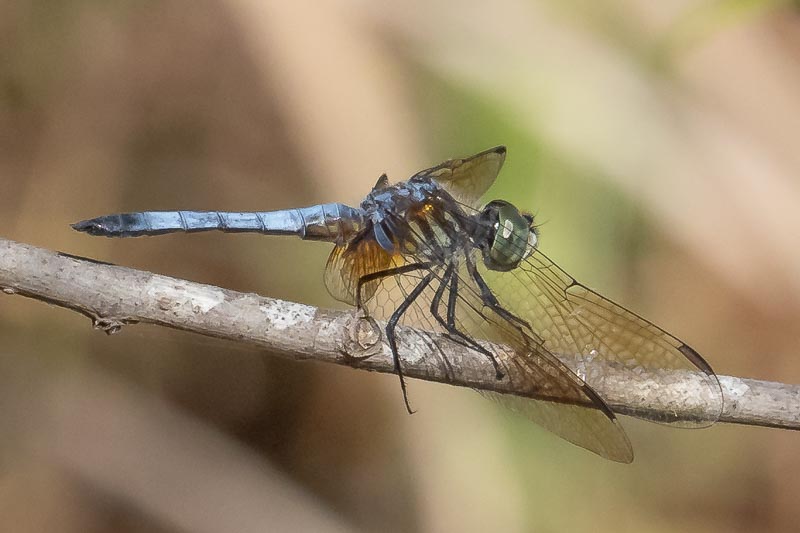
(656, 142)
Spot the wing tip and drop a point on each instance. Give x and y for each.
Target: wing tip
(695, 358)
(624, 455)
(497, 150)
(625, 460)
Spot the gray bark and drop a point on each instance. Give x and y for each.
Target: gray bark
(114, 297)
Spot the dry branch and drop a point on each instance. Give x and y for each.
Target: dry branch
(114, 296)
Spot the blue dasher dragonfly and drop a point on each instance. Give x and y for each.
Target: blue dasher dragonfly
(425, 252)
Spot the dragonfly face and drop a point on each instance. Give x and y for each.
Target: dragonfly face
(511, 236)
(423, 252)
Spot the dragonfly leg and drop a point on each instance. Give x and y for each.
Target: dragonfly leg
(452, 334)
(380, 274)
(391, 326)
(436, 301)
(437, 297)
(451, 313)
(491, 301)
(450, 281)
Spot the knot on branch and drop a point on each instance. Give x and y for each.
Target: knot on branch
(363, 338)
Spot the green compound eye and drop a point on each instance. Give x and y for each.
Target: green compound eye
(511, 238)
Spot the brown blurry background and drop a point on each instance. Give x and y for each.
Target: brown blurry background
(657, 143)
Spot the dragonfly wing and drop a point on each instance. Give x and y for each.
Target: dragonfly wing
(581, 326)
(560, 401)
(565, 405)
(348, 262)
(468, 179)
(591, 429)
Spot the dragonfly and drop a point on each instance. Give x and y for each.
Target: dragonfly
(426, 252)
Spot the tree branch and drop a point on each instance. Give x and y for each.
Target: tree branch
(114, 296)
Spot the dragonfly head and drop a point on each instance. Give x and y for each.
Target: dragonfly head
(510, 235)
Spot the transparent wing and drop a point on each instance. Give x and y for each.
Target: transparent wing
(565, 405)
(468, 179)
(348, 262)
(581, 326)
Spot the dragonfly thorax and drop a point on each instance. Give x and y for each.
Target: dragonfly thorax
(508, 236)
(420, 217)
(396, 213)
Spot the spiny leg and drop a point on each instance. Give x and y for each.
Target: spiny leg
(391, 325)
(380, 274)
(452, 333)
(490, 300)
(451, 319)
(450, 281)
(436, 301)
